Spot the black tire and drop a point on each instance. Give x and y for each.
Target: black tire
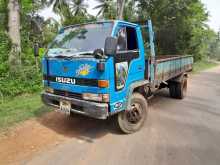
(181, 89)
(130, 121)
(178, 89)
(172, 89)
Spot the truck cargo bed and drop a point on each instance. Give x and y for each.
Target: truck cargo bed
(168, 67)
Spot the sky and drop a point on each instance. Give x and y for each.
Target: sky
(213, 7)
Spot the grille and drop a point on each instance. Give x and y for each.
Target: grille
(79, 81)
(68, 94)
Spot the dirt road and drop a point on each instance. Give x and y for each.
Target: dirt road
(176, 132)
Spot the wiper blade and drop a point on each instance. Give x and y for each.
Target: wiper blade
(72, 56)
(80, 54)
(60, 56)
(68, 55)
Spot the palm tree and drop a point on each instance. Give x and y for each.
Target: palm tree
(14, 34)
(60, 7)
(78, 7)
(67, 7)
(130, 10)
(106, 9)
(120, 8)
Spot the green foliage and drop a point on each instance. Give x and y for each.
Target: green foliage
(180, 26)
(68, 9)
(214, 47)
(203, 65)
(26, 5)
(20, 108)
(28, 79)
(130, 10)
(3, 14)
(5, 46)
(78, 20)
(48, 34)
(107, 9)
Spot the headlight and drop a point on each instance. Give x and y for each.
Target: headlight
(49, 90)
(96, 97)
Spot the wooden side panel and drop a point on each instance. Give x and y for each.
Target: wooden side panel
(169, 67)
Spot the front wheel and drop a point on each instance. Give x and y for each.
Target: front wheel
(130, 121)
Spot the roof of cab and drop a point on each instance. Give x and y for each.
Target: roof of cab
(104, 21)
(127, 23)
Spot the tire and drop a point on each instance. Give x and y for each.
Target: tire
(178, 89)
(172, 89)
(181, 89)
(130, 121)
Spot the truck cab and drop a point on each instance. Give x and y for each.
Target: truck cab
(101, 69)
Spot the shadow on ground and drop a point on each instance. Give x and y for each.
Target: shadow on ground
(85, 128)
(77, 126)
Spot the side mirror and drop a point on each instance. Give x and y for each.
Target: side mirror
(98, 53)
(36, 50)
(110, 46)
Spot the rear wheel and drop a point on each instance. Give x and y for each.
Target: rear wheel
(130, 121)
(181, 89)
(172, 89)
(178, 89)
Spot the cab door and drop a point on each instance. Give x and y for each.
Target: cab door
(128, 63)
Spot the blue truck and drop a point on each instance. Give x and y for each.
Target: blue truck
(109, 68)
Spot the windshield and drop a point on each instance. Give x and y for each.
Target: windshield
(80, 40)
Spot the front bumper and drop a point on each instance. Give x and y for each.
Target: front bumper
(88, 108)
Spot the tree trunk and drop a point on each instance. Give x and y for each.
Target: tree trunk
(14, 34)
(120, 9)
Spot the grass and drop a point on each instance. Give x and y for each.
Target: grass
(20, 108)
(203, 65)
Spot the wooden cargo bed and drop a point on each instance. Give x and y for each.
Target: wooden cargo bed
(168, 67)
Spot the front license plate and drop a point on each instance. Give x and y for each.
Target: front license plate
(65, 107)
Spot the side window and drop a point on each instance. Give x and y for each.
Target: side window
(122, 39)
(127, 39)
(132, 43)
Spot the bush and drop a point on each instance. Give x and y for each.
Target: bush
(3, 14)
(5, 46)
(27, 80)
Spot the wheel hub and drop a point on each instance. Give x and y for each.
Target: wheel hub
(134, 114)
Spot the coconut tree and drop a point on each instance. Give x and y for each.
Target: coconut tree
(67, 8)
(120, 8)
(130, 11)
(106, 9)
(14, 34)
(78, 7)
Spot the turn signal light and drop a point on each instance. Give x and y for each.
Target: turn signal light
(103, 83)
